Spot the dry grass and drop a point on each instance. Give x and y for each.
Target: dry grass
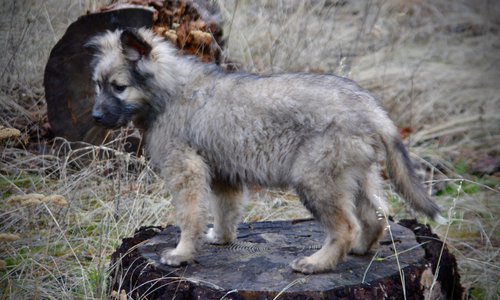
(433, 64)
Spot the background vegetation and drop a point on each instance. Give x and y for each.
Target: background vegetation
(435, 65)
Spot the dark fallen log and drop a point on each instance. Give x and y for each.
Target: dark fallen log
(256, 266)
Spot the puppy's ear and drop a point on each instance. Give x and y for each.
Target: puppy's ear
(93, 45)
(134, 46)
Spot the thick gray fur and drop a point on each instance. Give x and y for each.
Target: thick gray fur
(211, 133)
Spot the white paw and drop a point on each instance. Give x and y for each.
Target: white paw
(213, 238)
(306, 265)
(360, 249)
(172, 258)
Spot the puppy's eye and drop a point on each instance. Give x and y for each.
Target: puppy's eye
(119, 88)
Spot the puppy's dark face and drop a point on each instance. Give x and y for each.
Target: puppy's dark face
(114, 106)
(118, 100)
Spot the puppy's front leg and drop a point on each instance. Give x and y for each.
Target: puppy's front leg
(188, 179)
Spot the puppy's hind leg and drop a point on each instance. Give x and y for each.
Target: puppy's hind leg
(370, 206)
(331, 204)
(225, 206)
(189, 186)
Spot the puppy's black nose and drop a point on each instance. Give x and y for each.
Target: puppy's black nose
(98, 116)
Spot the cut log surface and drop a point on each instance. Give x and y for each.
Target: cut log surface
(256, 266)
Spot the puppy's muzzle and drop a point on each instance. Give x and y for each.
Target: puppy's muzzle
(98, 116)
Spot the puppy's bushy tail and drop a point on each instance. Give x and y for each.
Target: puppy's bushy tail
(406, 182)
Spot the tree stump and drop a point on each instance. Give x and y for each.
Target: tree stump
(256, 266)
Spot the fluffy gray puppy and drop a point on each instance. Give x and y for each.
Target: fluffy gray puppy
(210, 133)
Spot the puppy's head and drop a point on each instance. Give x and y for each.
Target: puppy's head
(119, 84)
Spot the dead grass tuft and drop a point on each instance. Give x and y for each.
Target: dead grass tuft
(8, 133)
